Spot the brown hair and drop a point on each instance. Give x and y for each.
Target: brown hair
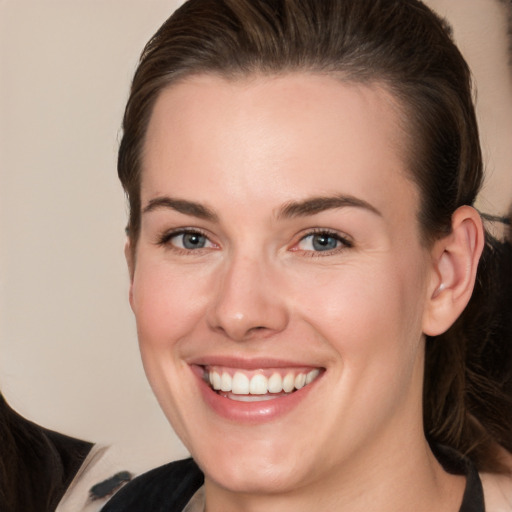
(36, 464)
(405, 47)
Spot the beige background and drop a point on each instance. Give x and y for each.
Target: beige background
(68, 350)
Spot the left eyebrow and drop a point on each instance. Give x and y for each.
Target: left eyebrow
(182, 206)
(316, 205)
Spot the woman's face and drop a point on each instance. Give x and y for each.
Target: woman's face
(279, 250)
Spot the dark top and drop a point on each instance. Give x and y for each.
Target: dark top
(169, 488)
(164, 489)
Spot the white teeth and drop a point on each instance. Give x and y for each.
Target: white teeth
(300, 380)
(241, 385)
(312, 375)
(226, 382)
(275, 383)
(252, 398)
(259, 385)
(215, 380)
(288, 383)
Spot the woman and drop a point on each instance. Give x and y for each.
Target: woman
(302, 250)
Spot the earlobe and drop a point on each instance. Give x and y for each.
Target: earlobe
(455, 263)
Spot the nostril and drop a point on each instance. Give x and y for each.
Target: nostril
(259, 331)
(241, 316)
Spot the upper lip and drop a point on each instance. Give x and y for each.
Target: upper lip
(253, 363)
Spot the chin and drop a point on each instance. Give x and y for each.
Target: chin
(263, 464)
(255, 475)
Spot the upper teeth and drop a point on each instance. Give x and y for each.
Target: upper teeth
(258, 384)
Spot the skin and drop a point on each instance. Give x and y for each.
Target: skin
(242, 152)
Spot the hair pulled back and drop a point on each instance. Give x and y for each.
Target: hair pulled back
(403, 46)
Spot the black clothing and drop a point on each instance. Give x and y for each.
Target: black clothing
(169, 488)
(452, 462)
(164, 489)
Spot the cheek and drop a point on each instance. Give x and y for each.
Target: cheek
(166, 303)
(366, 312)
(167, 306)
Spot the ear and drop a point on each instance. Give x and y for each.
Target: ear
(129, 255)
(455, 260)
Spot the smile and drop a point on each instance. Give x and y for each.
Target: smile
(258, 385)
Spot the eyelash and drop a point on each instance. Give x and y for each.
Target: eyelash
(165, 240)
(344, 242)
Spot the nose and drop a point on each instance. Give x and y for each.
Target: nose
(249, 302)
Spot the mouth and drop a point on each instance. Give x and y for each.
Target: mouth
(258, 385)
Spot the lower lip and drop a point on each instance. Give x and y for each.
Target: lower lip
(251, 412)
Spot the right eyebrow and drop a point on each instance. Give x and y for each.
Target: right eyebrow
(182, 206)
(315, 205)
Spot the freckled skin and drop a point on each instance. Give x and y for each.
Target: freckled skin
(259, 288)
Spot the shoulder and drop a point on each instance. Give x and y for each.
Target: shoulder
(498, 487)
(171, 485)
(72, 452)
(101, 475)
(47, 463)
(497, 491)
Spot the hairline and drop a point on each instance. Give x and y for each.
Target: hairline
(405, 123)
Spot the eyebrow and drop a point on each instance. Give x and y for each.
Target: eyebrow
(291, 209)
(182, 206)
(316, 205)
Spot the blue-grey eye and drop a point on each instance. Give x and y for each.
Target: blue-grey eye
(190, 240)
(320, 242)
(324, 242)
(193, 241)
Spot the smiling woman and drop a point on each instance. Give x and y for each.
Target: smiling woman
(303, 248)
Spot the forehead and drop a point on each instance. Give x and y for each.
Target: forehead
(275, 135)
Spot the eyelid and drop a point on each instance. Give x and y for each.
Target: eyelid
(164, 238)
(344, 239)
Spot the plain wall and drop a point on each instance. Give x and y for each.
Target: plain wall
(68, 351)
